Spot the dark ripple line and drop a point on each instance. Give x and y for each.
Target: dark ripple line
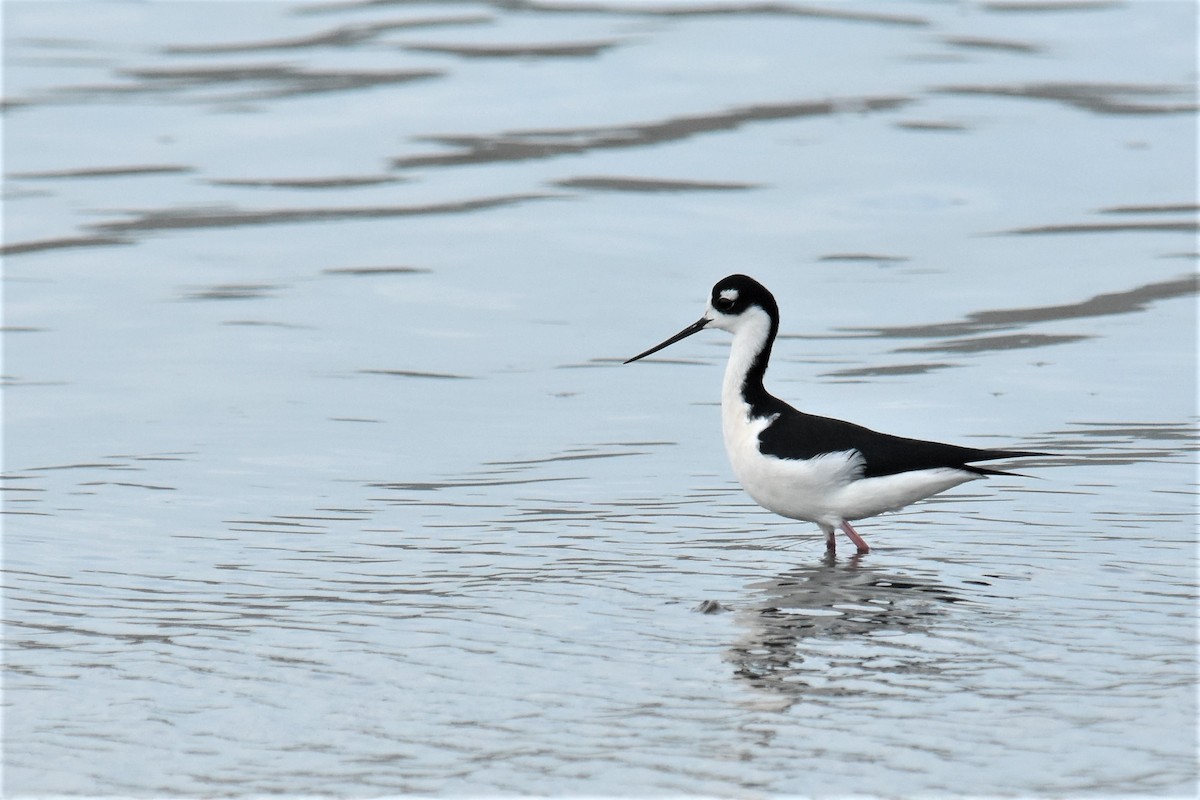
(185, 218)
(1132, 300)
(334, 182)
(717, 8)
(545, 143)
(984, 343)
(289, 80)
(1100, 98)
(567, 457)
(650, 185)
(343, 36)
(408, 373)
(712, 9)
(61, 242)
(435, 485)
(105, 172)
(549, 50)
(1109, 227)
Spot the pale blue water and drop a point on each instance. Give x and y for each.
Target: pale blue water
(322, 474)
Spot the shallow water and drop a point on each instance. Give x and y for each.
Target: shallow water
(322, 474)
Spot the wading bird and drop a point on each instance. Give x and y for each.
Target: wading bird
(806, 467)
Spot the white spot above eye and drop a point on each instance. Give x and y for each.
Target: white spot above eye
(729, 294)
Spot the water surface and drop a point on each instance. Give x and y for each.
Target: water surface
(322, 474)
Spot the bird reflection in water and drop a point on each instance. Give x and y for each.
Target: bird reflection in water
(831, 614)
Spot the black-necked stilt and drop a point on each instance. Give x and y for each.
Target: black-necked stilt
(807, 467)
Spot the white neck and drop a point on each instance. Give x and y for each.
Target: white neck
(749, 339)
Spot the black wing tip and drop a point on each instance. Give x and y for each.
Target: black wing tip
(997, 454)
(987, 455)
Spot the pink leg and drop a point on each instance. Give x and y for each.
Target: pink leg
(854, 537)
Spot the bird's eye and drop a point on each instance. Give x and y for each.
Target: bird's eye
(723, 304)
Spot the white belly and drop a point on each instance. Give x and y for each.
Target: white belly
(826, 489)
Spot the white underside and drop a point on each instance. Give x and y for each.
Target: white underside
(826, 489)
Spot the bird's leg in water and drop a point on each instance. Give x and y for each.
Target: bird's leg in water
(830, 538)
(854, 537)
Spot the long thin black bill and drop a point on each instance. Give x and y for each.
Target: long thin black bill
(695, 327)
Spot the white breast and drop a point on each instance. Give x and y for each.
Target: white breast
(809, 489)
(805, 490)
(826, 489)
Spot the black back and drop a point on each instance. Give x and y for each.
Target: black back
(796, 435)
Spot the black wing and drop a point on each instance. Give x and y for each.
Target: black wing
(797, 435)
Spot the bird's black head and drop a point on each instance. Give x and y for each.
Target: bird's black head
(737, 303)
(735, 295)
